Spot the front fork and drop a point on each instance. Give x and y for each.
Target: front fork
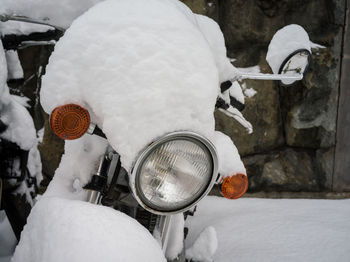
(163, 227)
(94, 190)
(106, 171)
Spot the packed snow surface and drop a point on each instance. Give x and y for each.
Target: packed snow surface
(205, 246)
(216, 41)
(70, 177)
(20, 125)
(230, 162)
(275, 229)
(21, 28)
(285, 41)
(60, 13)
(66, 230)
(15, 70)
(146, 70)
(249, 92)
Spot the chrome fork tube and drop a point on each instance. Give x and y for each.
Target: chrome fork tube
(164, 227)
(94, 196)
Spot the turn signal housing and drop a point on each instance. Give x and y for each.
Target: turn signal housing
(233, 187)
(69, 121)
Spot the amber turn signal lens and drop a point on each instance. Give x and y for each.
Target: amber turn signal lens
(234, 187)
(69, 121)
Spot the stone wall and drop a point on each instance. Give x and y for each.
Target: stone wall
(341, 177)
(293, 144)
(294, 140)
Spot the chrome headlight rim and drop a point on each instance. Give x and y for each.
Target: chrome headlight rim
(186, 135)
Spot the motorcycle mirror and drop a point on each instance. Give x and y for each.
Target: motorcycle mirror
(296, 64)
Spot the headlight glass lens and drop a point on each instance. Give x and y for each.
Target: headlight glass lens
(174, 174)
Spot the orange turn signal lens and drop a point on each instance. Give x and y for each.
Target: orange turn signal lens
(234, 187)
(69, 121)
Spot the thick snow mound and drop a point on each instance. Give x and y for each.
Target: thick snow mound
(65, 230)
(142, 71)
(285, 41)
(20, 126)
(204, 247)
(77, 165)
(216, 41)
(275, 229)
(230, 162)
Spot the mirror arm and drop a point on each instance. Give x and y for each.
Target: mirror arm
(260, 76)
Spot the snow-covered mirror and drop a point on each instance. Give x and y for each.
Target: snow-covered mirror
(295, 64)
(289, 53)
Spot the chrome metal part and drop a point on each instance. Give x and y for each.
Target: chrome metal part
(164, 227)
(91, 129)
(296, 63)
(100, 164)
(114, 157)
(93, 197)
(260, 76)
(166, 138)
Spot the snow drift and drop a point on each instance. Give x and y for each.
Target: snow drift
(60, 13)
(64, 230)
(273, 230)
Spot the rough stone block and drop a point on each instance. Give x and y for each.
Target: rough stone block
(246, 23)
(290, 170)
(310, 108)
(197, 6)
(263, 111)
(51, 150)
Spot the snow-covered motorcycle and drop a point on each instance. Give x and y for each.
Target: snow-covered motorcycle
(20, 166)
(143, 78)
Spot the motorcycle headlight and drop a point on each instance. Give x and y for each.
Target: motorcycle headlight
(174, 173)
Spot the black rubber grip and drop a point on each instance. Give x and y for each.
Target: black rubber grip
(225, 86)
(235, 103)
(97, 131)
(220, 103)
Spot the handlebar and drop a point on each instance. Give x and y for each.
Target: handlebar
(261, 76)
